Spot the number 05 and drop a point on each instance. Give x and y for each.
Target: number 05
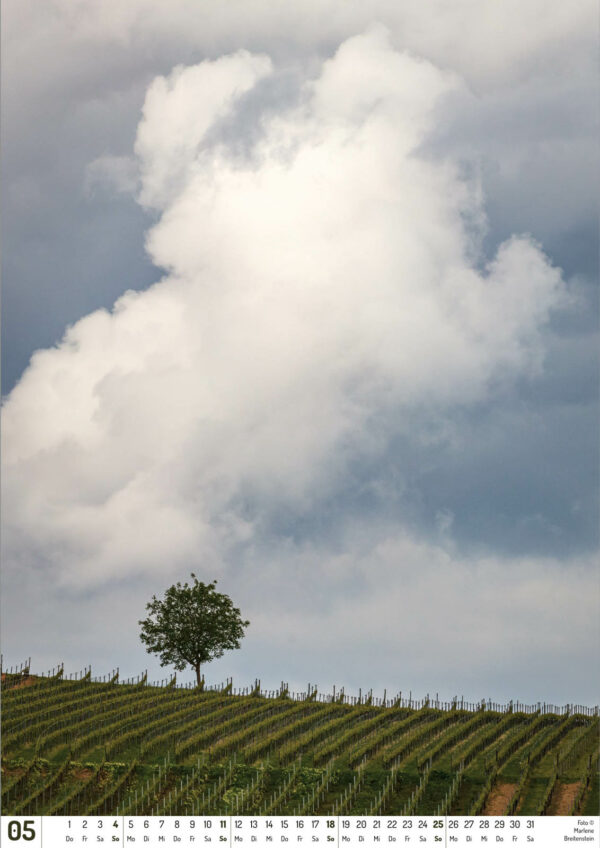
(15, 832)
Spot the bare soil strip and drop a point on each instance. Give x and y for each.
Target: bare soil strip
(83, 774)
(498, 799)
(562, 798)
(26, 681)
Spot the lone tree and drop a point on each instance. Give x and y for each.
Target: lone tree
(192, 625)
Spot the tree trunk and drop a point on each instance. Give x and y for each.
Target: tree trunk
(197, 667)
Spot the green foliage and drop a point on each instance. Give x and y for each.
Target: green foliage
(192, 625)
(15, 763)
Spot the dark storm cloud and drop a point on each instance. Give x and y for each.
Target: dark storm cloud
(534, 148)
(63, 274)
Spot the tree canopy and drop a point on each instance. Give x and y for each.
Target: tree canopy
(192, 625)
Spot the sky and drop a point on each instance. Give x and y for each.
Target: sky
(303, 298)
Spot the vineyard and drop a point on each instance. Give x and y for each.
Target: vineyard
(85, 746)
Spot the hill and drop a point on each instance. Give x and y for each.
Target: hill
(84, 747)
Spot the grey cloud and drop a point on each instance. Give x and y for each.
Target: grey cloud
(534, 149)
(53, 276)
(515, 477)
(480, 634)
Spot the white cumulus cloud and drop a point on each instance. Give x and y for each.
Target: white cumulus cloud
(323, 284)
